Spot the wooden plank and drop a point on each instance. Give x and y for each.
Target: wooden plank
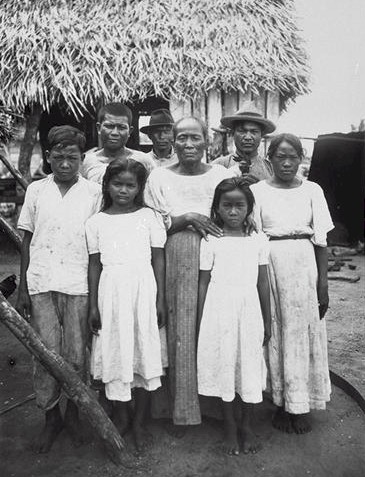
(273, 106)
(259, 101)
(214, 107)
(230, 102)
(244, 99)
(199, 107)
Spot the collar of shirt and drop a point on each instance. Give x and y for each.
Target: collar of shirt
(168, 156)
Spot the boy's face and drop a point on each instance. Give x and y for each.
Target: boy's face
(65, 162)
(114, 131)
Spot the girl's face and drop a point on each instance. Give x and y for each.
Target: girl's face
(285, 162)
(123, 189)
(233, 209)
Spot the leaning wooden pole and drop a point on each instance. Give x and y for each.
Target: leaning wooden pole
(11, 233)
(75, 389)
(4, 158)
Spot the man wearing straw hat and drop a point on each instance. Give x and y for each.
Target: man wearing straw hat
(248, 127)
(160, 132)
(114, 128)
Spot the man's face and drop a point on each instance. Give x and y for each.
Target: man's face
(114, 132)
(65, 162)
(162, 137)
(247, 136)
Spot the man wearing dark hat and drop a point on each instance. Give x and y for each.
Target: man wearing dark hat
(53, 274)
(160, 132)
(248, 127)
(114, 128)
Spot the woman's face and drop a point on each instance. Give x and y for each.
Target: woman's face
(189, 141)
(285, 162)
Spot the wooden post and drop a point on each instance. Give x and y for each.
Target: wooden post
(30, 137)
(76, 390)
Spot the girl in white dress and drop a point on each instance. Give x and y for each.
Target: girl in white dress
(234, 309)
(126, 262)
(295, 216)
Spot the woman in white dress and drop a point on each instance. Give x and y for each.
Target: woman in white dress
(127, 293)
(295, 216)
(183, 193)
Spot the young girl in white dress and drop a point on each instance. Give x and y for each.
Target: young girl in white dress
(127, 293)
(234, 309)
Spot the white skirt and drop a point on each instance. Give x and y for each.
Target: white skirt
(297, 351)
(127, 351)
(230, 352)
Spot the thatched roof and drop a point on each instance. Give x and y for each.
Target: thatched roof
(83, 50)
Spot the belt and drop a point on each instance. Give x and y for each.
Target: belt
(292, 237)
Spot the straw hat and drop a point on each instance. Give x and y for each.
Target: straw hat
(251, 115)
(159, 117)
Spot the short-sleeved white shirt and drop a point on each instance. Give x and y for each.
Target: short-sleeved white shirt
(58, 249)
(96, 162)
(297, 211)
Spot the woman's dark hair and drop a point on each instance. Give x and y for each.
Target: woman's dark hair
(228, 185)
(291, 139)
(124, 165)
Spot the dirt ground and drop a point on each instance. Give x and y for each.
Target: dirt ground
(335, 447)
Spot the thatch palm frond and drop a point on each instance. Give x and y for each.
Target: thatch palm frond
(84, 50)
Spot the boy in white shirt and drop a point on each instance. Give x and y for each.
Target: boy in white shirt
(53, 290)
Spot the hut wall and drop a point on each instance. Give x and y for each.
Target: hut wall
(216, 104)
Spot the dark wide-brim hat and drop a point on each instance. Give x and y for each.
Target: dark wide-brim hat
(266, 125)
(159, 117)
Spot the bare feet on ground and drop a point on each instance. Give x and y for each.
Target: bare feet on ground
(73, 424)
(300, 423)
(53, 426)
(230, 444)
(282, 421)
(142, 438)
(250, 442)
(176, 431)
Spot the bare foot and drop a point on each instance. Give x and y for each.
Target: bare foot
(250, 442)
(142, 438)
(176, 431)
(300, 423)
(230, 445)
(73, 424)
(282, 421)
(52, 428)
